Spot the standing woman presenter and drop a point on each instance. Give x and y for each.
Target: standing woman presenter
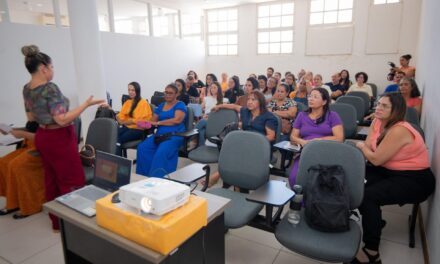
(55, 139)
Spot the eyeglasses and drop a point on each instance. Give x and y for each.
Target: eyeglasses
(383, 106)
(169, 93)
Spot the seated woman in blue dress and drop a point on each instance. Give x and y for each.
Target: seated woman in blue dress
(157, 160)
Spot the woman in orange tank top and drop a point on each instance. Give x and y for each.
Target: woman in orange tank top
(398, 171)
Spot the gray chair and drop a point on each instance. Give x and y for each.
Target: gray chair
(365, 97)
(102, 135)
(412, 116)
(215, 124)
(243, 162)
(357, 103)
(347, 113)
(374, 89)
(77, 126)
(323, 246)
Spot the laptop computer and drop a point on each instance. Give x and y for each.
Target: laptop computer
(110, 173)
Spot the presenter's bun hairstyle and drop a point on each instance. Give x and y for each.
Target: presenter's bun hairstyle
(34, 58)
(30, 50)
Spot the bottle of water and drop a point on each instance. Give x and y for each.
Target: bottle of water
(294, 215)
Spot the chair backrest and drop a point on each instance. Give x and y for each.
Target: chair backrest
(244, 159)
(124, 98)
(77, 126)
(189, 119)
(419, 129)
(278, 131)
(365, 97)
(301, 107)
(347, 113)
(358, 104)
(218, 120)
(412, 116)
(326, 152)
(158, 93)
(373, 88)
(103, 135)
(157, 99)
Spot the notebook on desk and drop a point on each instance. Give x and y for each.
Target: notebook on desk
(110, 173)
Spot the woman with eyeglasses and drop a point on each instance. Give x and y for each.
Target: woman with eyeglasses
(157, 159)
(318, 123)
(398, 172)
(410, 91)
(360, 85)
(285, 108)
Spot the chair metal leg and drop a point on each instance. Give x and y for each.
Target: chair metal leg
(412, 219)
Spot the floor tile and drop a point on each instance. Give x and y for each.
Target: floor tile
(395, 253)
(28, 240)
(242, 251)
(287, 258)
(8, 224)
(405, 209)
(397, 229)
(52, 255)
(257, 236)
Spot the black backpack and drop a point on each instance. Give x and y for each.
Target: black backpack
(326, 199)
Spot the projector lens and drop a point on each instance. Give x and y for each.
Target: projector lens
(146, 205)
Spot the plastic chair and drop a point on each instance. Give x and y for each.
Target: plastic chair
(357, 103)
(365, 97)
(374, 89)
(412, 116)
(347, 113)
(324, 246)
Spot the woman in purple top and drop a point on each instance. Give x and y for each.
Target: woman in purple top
(318, 123)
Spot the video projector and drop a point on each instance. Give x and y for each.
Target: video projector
(154, 195)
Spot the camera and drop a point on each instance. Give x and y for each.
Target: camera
(392, 72)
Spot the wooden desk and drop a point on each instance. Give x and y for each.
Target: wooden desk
(85, 242)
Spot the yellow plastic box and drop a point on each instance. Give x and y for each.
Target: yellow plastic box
(162, 235)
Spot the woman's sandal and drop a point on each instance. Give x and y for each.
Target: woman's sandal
(6, 211)
(371, 259)
(18, 216)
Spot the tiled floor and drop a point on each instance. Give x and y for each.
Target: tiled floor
(31, 241)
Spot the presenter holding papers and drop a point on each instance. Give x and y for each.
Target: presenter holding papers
(8, 138)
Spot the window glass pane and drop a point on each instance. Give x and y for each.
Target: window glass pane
(287, 9)
(263, 22)
(345, 4)
(222, 39)
(223, 50)
(286, 47)
(232, 14)
(275, 10)
(225, 21)
(232, 39)
(316, 5)
(274, 47)
(330, 5)
(213, 40)
(263, 11)
(212, 27)
(31, 12)
(393, 1)
(330, 17)
(213, 50)
(287, 35)
(222, 15)
(131, 17)
(275, 36)
(64, 13)
(379, 2)
(263, 48)
(345, 16)
(316, 18)
(275, 22)
(287, 21)
(103, 15)
(212, 16)
(263, 36)
(232, 25)
(222, 26)
(232, 50)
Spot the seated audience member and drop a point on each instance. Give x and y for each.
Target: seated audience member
(284, 107)
(360, 85)
(253, 117)
(309, 77)
(410, 71)
(411, 93)
(210, 78)
(290, 81)
(318, 83)
(285, 74)
(250, 85)
(191, 90)
(215, 98)
(301, 74)
(318, 123)
(133, 110)
(181, 94)
(252, 75)
(156, 159)
(22, 176)
(269, 72)
(277, 76)
(336, 87)
(300, 95)
(234, 90)
(197, 83)
(399, 172)
(396, 81)
(345, 80)
(262, 83)
(224, 82)
(270, 88)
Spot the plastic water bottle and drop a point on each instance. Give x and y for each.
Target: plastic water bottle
(294, 215)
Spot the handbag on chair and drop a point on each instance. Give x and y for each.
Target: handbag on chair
(88, 155)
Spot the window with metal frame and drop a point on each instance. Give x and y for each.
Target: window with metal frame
(331, 11)
(222, 31)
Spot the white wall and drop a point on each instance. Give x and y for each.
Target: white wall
(427, 78)
(375, 65)
(153, 62)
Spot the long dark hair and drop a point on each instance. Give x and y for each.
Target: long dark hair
(182, 82)
(274, 88)
(219, 92)
(136, 99)
(325, 96)
(346, 82)
(34, 58)
(415, 92)
(261, 100)
(254, 82)
(398, 110)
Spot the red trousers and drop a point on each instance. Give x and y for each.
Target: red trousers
(63, 171)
